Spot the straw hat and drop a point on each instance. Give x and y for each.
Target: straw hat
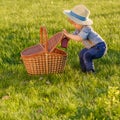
(79, 14)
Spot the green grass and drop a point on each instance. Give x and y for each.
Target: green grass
(71, 95)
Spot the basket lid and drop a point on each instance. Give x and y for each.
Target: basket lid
(48, 45)
(54, 41)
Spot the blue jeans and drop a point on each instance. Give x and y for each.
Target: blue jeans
(86, 56)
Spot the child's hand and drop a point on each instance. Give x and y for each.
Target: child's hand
(71, 36)
(65, 33)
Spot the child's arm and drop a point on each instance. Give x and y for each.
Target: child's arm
(71, 36)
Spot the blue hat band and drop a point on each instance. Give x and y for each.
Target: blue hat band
(78, 16)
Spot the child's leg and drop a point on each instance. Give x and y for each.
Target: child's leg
(81, 53)
(87, 58)
(93, 53)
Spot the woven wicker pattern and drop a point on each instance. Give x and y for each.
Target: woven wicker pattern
(45, 58)
(46, 63)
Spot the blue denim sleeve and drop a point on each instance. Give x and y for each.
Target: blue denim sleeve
(84, 32)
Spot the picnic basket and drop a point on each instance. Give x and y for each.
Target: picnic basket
(45, 58)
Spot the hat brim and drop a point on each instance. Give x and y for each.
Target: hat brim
(76, 20)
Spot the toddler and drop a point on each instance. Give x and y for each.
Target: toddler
(95, 46)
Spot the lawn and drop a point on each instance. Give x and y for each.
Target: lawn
(71, 95)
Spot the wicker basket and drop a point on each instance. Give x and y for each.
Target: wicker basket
(44, 58)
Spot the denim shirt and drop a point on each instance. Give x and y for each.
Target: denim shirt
(89, 37)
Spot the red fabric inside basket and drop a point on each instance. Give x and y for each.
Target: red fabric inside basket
(33, 50)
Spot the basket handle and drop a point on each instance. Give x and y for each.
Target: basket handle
(44, 37)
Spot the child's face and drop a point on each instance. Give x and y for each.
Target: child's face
(77, 26)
